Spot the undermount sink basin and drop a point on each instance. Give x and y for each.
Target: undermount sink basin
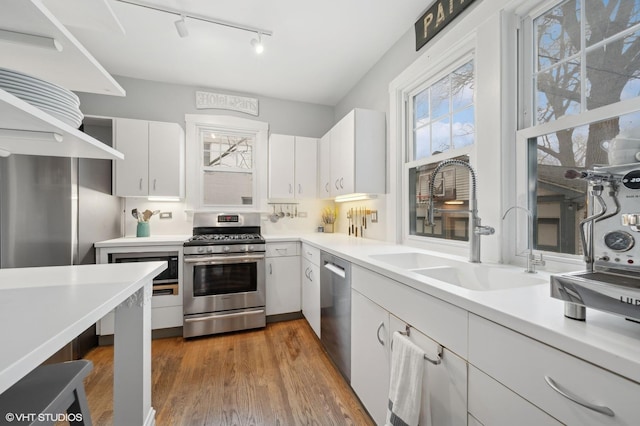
(472, 276)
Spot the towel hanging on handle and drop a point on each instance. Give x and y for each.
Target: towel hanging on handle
(405, 386)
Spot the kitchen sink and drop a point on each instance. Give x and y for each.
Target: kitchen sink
(472, 276)
(483, 277)
(411, 260)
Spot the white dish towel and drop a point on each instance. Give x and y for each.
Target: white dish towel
(405, 386)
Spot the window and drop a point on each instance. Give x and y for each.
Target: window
(227, 167)
(582, 65)
(442, 123)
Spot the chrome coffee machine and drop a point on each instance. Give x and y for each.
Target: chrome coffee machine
(610, 238)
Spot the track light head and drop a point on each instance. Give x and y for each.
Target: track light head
(181, 27)
(257, 44)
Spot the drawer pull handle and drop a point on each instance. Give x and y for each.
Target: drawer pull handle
(567, 394)
(378, 333)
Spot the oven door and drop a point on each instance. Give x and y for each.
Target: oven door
(223, 282)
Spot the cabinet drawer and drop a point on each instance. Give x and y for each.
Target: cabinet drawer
(311, 253)
(525, 366)
(282, 249)
(439, 320)
(493, 404)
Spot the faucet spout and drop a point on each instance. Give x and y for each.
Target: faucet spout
(475, 229)
(532, 260)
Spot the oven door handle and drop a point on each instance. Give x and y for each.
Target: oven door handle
(236, 314)
(221, 260)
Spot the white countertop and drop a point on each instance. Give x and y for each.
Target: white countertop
(604, 339)
(156, 240)
(42, 309)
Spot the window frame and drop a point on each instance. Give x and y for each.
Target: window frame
(529, 130)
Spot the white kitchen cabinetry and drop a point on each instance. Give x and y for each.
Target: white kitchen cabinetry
(311, 286)
(357, 152)
(72, 68)
(444, 391)
(283, 278)
(154, 159)
(324, 165)
(292, 167)
(370, 355)
(166, 310)
(592, 395)
(493, 404)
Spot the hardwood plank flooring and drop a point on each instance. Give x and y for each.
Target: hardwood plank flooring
(279, 375)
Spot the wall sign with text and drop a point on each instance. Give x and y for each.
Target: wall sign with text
(436, 18)
(205, 100)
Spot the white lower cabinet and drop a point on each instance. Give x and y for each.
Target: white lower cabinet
(569, 389)
(311, 294)
(282, 278)
(492, 404)
(369, 355)
(444, 386)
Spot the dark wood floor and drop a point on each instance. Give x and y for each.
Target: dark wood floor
(275, 376)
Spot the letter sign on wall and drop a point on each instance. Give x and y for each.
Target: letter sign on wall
(206, 100)
(436, 18)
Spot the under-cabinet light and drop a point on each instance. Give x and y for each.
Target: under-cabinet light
(30, 40)
(172, 199)
(31, 135)
(354, 197)
(454, 202)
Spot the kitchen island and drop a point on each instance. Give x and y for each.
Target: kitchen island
(42, 309)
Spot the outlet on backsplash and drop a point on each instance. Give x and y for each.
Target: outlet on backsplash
(166, 215)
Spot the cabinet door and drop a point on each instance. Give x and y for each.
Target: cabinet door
(342, 155)
(444, 386)
(132, 174)
(281, 166)
(306, 167)
(311, 294)
(369, 355)
(166, 160)
(324, 180)
(283, 285)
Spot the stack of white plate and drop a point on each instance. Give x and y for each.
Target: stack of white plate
(51, 98)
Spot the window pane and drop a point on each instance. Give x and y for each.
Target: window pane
(463, 128)
(560, 202)
(612, 72)
(451, 192)
(422, 141)
(440, 98)
(441, 135)
(421, 108)
(227, 188)
(462, 86)
(605, 19)
(558, 92)
(557, 34)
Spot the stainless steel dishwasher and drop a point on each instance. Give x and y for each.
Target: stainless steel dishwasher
(335, 310)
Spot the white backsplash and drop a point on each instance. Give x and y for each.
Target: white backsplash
(375, 231)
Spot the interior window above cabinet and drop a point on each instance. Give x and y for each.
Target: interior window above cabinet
(356, 155)
(154, 159)
(292, 167)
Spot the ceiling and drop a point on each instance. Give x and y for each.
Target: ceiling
(318, 51)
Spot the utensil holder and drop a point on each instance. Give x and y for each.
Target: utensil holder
(328, 228)
(143, 229)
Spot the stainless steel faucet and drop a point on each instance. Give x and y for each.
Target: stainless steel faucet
(476, 230)
(532, 259)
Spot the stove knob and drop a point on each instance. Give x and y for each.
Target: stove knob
(226, 249)
(251, 248)
(200, 249)
(209, 249)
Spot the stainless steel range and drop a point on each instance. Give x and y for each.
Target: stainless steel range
(224, 274)
(611, 245)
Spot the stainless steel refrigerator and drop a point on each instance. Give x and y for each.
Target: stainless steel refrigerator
(52, 210)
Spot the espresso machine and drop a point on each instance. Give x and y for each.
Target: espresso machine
(610, 237)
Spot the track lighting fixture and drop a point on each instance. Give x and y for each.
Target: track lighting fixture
(181, 26)
(257, 44)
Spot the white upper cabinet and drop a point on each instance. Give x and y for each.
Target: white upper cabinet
(324, 179)
(72, 67)
(292, 167)
(357, 153)
(154, 159)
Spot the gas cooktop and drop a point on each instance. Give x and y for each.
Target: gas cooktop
(215, 239)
